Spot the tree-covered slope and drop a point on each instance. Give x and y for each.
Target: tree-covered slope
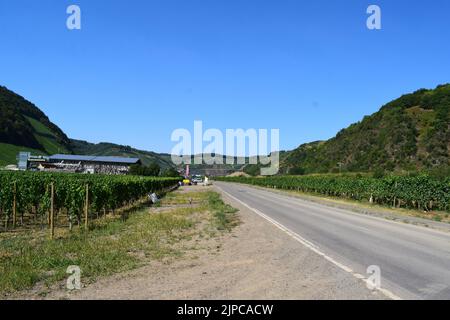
(25, 127)
(410, 133)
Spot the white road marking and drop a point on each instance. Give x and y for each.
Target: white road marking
(312, 247)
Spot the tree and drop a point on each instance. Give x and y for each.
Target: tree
(378, 173)
(296, 171)
(252, 169)
(153, 169)
(170, 172)
(139, 170)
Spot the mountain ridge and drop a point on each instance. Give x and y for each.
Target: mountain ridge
(408, 133)
(17, 127)
(111, 149)
(24, 127)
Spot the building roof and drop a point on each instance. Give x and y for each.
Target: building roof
(69, 157)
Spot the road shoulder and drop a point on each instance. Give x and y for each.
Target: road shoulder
(393, 214)
(255, 260)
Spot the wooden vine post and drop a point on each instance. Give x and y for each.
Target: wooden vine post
(14, 204)
(86, 209)
(395, 198)
(48, 213)
(52, 211)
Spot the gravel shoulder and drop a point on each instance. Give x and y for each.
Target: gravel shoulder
(255, 260)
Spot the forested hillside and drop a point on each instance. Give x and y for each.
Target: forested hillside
(23, 126)
(410, 133)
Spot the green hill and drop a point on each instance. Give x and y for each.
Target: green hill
(24, 127)
(110, 149)
(147, 157)
(410, 133)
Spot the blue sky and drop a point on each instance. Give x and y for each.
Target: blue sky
(140, 69)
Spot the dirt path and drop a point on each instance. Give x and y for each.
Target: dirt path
(254, 261)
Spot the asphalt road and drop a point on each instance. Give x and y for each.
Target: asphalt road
(414, 261)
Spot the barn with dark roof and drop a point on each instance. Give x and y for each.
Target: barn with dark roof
(94, 164)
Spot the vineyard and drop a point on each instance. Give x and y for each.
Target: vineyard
(419, 192)
(28, 198)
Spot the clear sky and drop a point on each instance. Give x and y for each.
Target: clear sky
(138, 69)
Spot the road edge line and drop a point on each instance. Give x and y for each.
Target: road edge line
(311, 246)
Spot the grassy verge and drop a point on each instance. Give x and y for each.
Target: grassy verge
(112, 245)
(224, 214)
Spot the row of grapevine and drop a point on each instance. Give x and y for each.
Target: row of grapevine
(420, 192)
(30, 192)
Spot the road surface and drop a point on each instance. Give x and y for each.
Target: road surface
(414, 261)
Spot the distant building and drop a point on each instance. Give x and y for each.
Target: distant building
(76, 163)
(22, 160)
(26, 161)
(94, 164)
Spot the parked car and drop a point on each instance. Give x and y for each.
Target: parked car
(197, 179)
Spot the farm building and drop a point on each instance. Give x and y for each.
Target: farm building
(76, 163)
(94, 164)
